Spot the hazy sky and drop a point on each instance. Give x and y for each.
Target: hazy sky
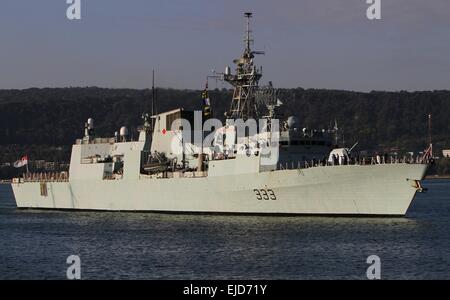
(308, 43)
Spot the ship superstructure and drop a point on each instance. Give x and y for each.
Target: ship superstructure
(181, 163)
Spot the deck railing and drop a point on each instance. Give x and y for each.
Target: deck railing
(45, 177)
(362, 161)
(293, 165)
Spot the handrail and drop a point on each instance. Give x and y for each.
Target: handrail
(360, 161)
(46, 176)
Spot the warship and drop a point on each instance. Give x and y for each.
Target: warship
(186, 161)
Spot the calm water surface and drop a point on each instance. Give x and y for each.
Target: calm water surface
(35, 244)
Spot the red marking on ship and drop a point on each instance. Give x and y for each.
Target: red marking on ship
(164, 131)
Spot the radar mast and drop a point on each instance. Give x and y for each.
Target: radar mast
(245, 81)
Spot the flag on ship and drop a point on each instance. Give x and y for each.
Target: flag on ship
(206, 102)
(21, 162)
(205, 96)
(428, 153)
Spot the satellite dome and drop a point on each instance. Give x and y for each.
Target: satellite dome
(90, 122)
(292, 122)
(123, 131)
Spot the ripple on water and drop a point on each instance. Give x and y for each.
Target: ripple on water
(35, 244)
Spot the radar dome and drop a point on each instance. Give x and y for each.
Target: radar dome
(123, 131)
(292, 122)
(90, 123)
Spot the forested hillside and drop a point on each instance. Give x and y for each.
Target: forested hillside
(45, 122)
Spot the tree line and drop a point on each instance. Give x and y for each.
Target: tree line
(46, 122)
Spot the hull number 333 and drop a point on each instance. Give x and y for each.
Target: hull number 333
(265, 194)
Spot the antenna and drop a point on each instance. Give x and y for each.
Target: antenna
(429, 129)
(336, 132)
(429, 135)
(247, 38)
(153, 92)
(427, 156)
(154, 100)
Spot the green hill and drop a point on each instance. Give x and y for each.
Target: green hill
(45, 122)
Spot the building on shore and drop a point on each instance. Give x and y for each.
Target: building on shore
(446, 153)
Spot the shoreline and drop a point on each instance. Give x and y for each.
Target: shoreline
(437, 177)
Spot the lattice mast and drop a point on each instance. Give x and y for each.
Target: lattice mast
(245, 81)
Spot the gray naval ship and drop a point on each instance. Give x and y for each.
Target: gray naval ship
(279, 169)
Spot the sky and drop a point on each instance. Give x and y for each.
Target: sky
(308, 43)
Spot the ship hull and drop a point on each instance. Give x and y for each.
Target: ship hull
(385, 189)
